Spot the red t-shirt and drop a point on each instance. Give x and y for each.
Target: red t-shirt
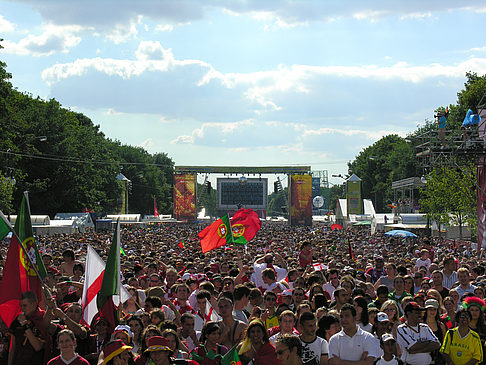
(58, 361)
(305, 258)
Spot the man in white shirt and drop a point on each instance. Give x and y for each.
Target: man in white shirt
(314, 348)
(351, 344)
(333, 282)
(416, 339)
(266, 262)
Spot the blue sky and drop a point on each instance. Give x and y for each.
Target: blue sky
(247, 82)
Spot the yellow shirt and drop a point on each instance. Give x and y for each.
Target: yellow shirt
(462, 349)
(271, 322)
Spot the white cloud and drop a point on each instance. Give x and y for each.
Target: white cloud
(417, 15)
(164, 28)
(123, 32)
(278, 13)
(183, 140)
(369, 134)
(6, 26)
(148, 50)
(370, 15)
(53, 39)
(147, 144)
(273, 21)
(477, 49)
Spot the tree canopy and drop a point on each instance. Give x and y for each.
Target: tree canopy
(67, 164)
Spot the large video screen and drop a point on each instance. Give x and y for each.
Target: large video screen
(233, 193)
(301, 200)
(185, 196)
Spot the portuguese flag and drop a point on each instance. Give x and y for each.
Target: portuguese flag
(18, 273)
(182, 244)
(244, 225)
(216, 235)
(231, 358)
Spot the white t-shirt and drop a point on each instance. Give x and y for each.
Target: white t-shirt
(408, 336)
(257, 274)
(382, 361)
(419, 263)
(312, 351)
(352, 348)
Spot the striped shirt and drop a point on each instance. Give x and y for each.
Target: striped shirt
(408, 336)
(448, 282)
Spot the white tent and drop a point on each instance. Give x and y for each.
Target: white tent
(126, 218)
(82, 221)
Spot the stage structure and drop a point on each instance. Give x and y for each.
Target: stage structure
(238, 189)
(455, 148)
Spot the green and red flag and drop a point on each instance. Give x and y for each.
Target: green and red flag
(19, 275)
(111, 283)
(244, 225)
(216, 235)
(182, 244)
(231, 357)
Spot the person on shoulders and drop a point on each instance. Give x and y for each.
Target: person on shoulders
(267, 262)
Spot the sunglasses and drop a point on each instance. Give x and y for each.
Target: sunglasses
(270, 299)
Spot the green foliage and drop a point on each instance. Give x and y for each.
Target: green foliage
(335, 192)
(208, 201)
(6, 196)
(389, 159)
(275, 204)
(450, 196)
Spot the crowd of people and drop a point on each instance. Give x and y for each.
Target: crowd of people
(293, 295)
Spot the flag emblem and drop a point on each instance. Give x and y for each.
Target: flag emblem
(29, 245)
(222, 229)
(238, 229)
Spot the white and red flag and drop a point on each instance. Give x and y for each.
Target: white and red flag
(95, 268)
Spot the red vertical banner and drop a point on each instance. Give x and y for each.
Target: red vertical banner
(300, 200)
(185, 197)
(481, 203)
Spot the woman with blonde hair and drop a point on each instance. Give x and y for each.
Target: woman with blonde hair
(390, 307)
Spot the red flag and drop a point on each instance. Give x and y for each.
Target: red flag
(216, 235)
(182, 244)
(156, 212)
(15, 281)
(245, 224)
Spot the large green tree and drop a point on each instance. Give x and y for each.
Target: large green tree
(389, 159)
(450, 196)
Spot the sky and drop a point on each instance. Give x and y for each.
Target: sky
(246, 82)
